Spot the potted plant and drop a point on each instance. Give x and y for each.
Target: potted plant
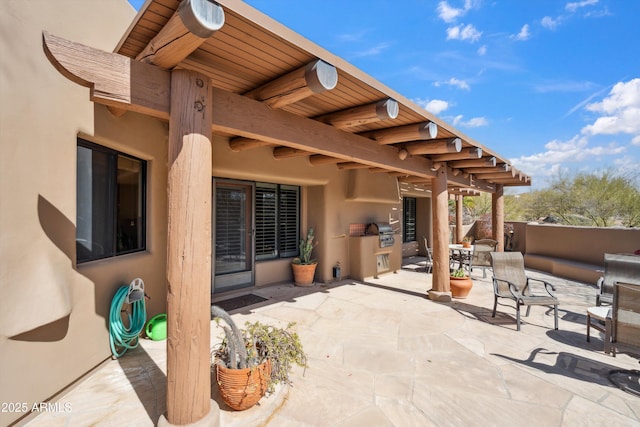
(304, 267)
(459, 283)
(249, 363)
(466, 242)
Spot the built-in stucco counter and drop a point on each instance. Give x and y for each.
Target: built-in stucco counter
(368, 259)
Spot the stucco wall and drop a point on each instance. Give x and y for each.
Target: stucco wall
(582, 244)
(53, 314)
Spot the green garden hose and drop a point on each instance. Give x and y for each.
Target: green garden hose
(125, 337)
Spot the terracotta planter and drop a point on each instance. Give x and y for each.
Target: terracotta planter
(460, 286)
(466, 244)
(303, 274)
(242, 388)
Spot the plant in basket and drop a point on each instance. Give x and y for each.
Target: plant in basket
(248, 363)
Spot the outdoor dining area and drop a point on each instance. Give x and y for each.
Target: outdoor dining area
(380, 353)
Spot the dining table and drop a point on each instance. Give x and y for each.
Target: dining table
(461, 255)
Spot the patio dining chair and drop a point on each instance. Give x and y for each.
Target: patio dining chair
(622, 326)
(429, 261)
(511, 282)
(481, 257)
(617, 268)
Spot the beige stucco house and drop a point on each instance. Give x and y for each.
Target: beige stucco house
(294, 137)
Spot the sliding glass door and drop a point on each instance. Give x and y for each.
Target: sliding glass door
(233, 237)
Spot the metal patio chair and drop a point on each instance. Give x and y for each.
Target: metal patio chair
(622, 326)
(429, 262)
(481, 257)
(511, 282)
(617, 268)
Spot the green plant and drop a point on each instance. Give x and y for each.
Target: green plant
(249, 347)
(306, 247)
(458, 273)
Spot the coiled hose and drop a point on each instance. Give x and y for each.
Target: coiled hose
(120, 335)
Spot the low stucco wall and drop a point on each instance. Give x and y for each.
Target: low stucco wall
(576, 252)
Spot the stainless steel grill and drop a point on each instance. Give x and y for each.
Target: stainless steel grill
(384, 231)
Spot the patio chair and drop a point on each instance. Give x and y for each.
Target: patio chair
(481, 257)
(622, 326)
(617, 268)
(511, 282)
(429, 252)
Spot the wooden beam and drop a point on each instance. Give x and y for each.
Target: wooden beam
(378, 170)
(466, 153)
(437, 146)
(414, 179)
(498, 175)
(114, 80)
(191, 25)
(351, 165)
(315, 77)
(238, 144)
(288, 152)
(320, 159)
(485, 170)
(189, 249)
(412, 132)
(239, 115)
(382, 110)
(487, 162)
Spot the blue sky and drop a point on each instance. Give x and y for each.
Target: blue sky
(551, 85)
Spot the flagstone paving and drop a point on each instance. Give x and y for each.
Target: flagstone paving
(381, 354)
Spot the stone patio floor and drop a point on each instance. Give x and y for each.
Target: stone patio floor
(381, 354)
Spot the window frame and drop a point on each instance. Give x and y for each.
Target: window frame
(409, 208)
(112, 212)
(279, 232)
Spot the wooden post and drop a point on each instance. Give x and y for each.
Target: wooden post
(497, 216)
(440, 208)
(189, 251)
(459, 221)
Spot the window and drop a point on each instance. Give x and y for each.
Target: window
(111, 203)
(409, 219)
(277, 220)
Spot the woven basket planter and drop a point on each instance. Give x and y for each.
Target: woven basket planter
(243, 388)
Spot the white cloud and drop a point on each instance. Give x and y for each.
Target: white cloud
(449, 13)
(550, 23)
(471, 123)
(523, 34)
(636, 141)
(573, 6)
(434, 106)
(559, 154)
(460, 84)
(482, 50)
(372, 51)
(621, 111)
(461, 32)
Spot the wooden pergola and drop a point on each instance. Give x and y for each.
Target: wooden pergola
(225, 68)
